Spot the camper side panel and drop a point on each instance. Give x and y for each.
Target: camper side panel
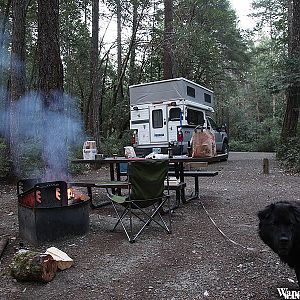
(170, 90)
(140, 121)
(156, 92)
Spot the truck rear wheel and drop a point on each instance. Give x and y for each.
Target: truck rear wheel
(225, 148)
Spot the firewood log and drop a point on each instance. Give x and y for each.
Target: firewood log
(33, 266)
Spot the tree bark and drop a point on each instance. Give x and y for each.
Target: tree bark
(119, 87)
(50, 69)
(291, 118)
(50, 85)
(132, 70)
(33, 266)
(95, 80)
(18, 50)
(168, 60)
(18, 77)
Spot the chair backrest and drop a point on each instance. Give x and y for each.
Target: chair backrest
(147, 181)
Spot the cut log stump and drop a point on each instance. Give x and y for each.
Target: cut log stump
(266, 166)
(3, 243)
(33, 266)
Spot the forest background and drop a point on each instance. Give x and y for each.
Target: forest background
(61, 83)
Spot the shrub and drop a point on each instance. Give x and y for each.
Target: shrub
(114, 144)
(242, 146)
(288, 153)
(5, 164)
(30, 158)
(75, 152)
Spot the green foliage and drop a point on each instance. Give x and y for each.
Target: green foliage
(75, 153)
(4, 162)
(114, 144)
(30, 158)
(240, 146)
(208, 46)
(289, 154)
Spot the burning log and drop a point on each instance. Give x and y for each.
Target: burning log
(75, 196)
(33, 266)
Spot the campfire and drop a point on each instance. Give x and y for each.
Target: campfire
(48, 194)
(51, 210)
(75, 195)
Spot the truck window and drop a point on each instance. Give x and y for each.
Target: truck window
(195, 117)
(212, 123)
(174, 114)
(157, 118)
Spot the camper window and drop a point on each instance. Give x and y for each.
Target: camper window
(157, 118)
(190, 91)
(195, 117)
(207, 98)
(174, 114)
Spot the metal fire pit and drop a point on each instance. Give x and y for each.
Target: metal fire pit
(44, 213)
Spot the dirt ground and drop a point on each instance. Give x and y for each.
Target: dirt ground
(194, 262)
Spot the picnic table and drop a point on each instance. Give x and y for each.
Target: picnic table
(179, 172)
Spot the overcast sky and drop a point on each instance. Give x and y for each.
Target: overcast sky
(243, 8)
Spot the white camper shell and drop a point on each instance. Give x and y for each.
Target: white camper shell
(164, 113)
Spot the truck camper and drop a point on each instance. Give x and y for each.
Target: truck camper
(165, 113)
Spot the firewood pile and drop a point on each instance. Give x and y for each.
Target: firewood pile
(41, 267)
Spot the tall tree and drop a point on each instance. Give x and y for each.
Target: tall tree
(4, 26)
(168, 60)
(290, 123)
(132, 71)
(50, 83)
(17, 75)
(50, 68)
(95, 80)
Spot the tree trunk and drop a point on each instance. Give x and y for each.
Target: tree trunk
(132, 70)
(17, 77)
(168, 40)
(95, 81)
(118, 87)
(3, 24)
(50, 70)
(33, 266)
(290, 123)
(50, 84)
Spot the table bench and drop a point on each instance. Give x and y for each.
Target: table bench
(196, 174)
(176, 186)
(89, 185)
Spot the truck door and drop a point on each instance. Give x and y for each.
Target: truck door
(218, 134)
(158, 124)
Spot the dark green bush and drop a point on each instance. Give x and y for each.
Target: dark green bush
(288, 153)
(242, 146)
(114, 144)
(5, 163)
(30, 158)
(74, 153)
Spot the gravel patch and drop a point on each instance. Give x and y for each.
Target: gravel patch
(194, 262)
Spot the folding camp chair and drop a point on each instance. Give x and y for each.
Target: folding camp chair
(145, 200)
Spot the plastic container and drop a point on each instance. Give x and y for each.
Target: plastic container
(89, 150)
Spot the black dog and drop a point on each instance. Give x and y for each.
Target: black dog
(279, 228)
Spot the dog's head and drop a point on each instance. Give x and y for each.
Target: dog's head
(278, 225)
